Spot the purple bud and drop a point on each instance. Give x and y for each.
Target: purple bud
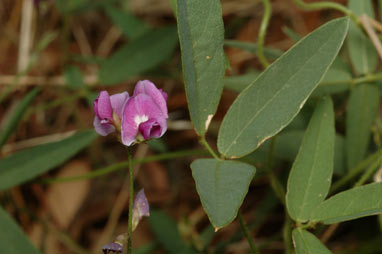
(144, 114)
(112, 248)
(141, 208)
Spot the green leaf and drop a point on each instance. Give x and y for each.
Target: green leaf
(252, 48)
(361, 50)
(141, 55)
(201, 35)
(11, 125)
(239, 83)
(272, 101)
(27, 164)
(74, 78)
(361, 113)
(307, 243)
(351, 204)
(310, 177)
(222, 186)
(12, 238)
(166, 232)
(131, 26)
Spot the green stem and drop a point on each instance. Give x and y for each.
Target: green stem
(204, 142)
(287, 235)
(355, 171)
(326, 5)
(262, 33)
(366, 175)
(131, 195)
(123, 165)
(365, 79)
(246, 233)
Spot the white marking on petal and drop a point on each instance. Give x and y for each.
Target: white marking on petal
(140, 119)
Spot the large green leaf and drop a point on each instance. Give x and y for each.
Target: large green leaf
(240, 82)
(27, 164)
(138, 56)
(310, 177)
(361, 113)
(12, 238)
(222, 186)
(307, 243)
(11, 125)
(201, 35)
(272, 101)
(361, 50)
(351, 204)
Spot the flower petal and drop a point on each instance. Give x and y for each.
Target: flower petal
(102, 129)
(140, 208)
(158, 96)
(102, 106)
(151, 128)
(118, 101)
(139, 109)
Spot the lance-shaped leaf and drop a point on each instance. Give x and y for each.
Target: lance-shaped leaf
(201, 35)
(272, 101)
(351, 204)
(222, 186)
(362, 53)
(12, 238)
(27, 164)
(310, 177)
(361, 113)
(306, 243)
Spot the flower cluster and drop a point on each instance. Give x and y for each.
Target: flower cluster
(137, 118)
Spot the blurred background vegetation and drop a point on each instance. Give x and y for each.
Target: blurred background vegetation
(56, 55)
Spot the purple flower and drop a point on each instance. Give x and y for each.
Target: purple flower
(141, 208)
(112, 248)
(108, 111)
(144, 114)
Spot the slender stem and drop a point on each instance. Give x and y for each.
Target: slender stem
(262, 33)
(204, 142)
(287, 235)
(247, 234)
(366, 175)
(365, 79)
(131, 194)
(355, 171)
(326, 5)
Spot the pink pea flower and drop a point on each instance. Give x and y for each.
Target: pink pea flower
(144, 114)
(108, 112)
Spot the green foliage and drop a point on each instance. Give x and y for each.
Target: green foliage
(12, 238)
(167, 233)
(351, 204)
(271, 102)
(361, 50)
(222, 186)
(361, 114)
(131, 27)
(74, 78)
(138, 56)
(310, 177)
(11, 125)
(307, 243)
(252, 47)
(201, 35)
(27, 164)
